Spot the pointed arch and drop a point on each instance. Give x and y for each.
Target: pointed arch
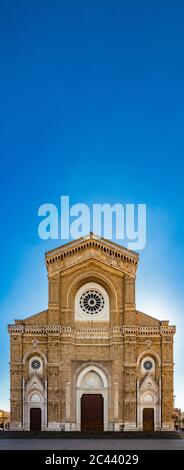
(97, 387)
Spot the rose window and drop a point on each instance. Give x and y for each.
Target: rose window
(92, 302)
(148, 365)
(35, 364)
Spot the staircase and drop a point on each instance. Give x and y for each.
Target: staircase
(95, 435)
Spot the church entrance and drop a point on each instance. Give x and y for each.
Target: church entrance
(148, 419)
(35, 419)
(92, 413)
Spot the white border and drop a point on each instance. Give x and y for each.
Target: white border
(102, 315)
(102, 391)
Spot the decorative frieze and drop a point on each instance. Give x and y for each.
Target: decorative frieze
(107, 333)
(92, 241)
(167, 330)
(114, 255)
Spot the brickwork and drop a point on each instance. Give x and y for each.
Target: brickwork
(66, 346)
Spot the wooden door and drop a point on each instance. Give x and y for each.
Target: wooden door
(35, 419)
(148, 419)
(92, 413)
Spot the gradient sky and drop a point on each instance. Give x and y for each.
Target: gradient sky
(92, 106)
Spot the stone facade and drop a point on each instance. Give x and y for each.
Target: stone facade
(70, 349)
(4, 419)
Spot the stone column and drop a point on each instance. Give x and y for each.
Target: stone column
(54, 299)
(53, 370)
(129, 300)
(67, 404)
(16, 377)
(116, 407)
(167, 383)
(130, 385)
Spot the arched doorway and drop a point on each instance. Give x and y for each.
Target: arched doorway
(148, 419)
(92, 400)
(92, 419)
(35, 419)
(149, 393)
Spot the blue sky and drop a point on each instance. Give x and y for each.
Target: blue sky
(92, 106)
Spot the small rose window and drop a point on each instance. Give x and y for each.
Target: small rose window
(35, 364)
(148, 365)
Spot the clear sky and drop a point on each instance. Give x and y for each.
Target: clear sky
(91, 106)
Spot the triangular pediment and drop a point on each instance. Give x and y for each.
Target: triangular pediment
(40, 318)
(148, 383)
(34, 383)
(92, 247)
(143, 319)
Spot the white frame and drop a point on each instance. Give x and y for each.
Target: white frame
(103, 315)
(102, 391)
(150, 371)
(28, 404)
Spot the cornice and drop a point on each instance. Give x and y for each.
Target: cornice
(106, 333)
(111, 249)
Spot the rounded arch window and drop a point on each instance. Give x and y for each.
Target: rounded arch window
(35, 365)
(92, 303)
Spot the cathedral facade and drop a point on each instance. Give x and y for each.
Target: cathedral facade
(91, 362)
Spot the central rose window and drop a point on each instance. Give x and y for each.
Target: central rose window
(92, 302)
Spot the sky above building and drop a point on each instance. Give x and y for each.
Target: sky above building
(92, 106)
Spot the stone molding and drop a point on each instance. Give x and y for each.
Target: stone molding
(106, 333)
(88, 242)
(115, 254)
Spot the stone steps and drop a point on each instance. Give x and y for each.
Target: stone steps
(79, 435)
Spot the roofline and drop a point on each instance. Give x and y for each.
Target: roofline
(30, 316)
(154, 318)
(92, 236)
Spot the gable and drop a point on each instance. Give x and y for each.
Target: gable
(40, 318)
(92, 247)
(148, 384)
(142, 319)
